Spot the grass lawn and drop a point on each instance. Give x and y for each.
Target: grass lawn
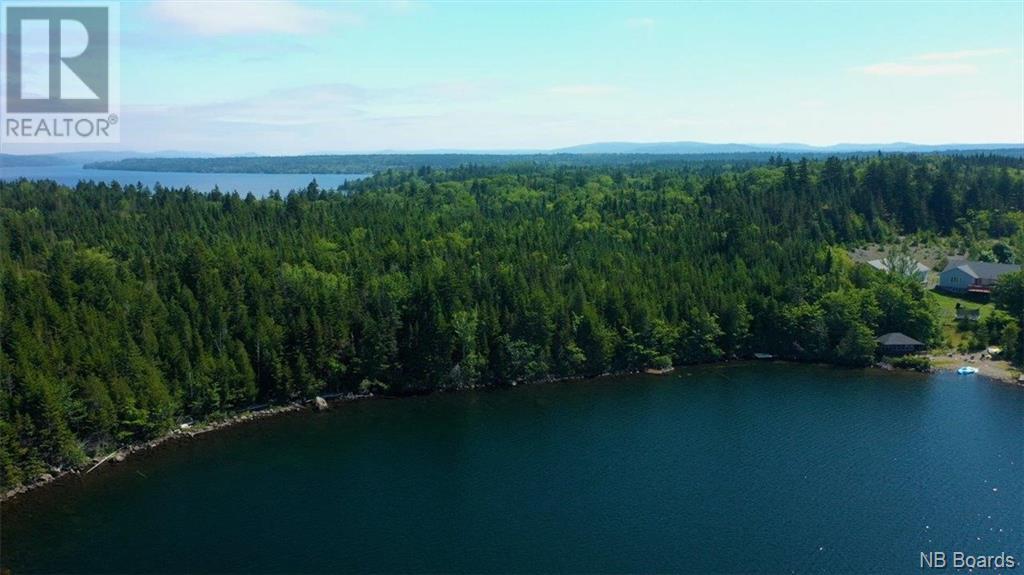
(947, 306)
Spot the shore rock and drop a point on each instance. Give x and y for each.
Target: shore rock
(321, 403)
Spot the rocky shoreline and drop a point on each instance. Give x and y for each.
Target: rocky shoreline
(1001, 373)
(187, 431)
(184, 432)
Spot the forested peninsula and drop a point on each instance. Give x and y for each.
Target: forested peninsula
(125, 311)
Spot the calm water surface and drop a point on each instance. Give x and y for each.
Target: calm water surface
(259, 184)
(745, 468)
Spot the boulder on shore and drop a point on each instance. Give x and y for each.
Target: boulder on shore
(321, 403)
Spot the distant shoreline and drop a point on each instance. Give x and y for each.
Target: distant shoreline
(374, 163)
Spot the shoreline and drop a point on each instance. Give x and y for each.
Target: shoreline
(999, 370)
(178, 434)
(314, 404)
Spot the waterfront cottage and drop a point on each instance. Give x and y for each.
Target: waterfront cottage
(897, 343)
(973, 277)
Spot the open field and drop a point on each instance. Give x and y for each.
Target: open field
(947, 311)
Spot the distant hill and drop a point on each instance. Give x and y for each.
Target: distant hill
(80, 158)
(598, 153)
(113, 156)
(31, 160)
(659, 148)
(708, 148)
(371, 163)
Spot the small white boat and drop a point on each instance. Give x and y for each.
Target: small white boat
(967, 370)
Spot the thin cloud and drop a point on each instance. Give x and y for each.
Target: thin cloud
(405, 6)
(583, 89)
(294, 107)
(959, 54)
(811, 104)
(931, 64)
(225, 18)
(918, 70)
(640, 23)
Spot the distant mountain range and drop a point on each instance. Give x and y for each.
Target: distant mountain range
(708, 148)
(684, 147)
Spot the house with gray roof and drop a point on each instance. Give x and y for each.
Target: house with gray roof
(897, 343)
(962, 276)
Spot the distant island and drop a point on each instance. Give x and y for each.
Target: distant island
(32, 160)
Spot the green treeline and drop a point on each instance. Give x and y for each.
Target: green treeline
(123, 310)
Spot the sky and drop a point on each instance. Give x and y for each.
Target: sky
(296, 77)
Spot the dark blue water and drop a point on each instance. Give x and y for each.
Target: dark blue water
(259, 184)
(748, 468)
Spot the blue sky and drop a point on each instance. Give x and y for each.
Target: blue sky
(292, 77)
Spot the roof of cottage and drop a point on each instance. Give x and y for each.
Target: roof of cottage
(897, 338)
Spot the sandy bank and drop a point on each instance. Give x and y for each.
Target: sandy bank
(994, 368)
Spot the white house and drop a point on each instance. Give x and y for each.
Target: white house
(974, 277)
(920, 270)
